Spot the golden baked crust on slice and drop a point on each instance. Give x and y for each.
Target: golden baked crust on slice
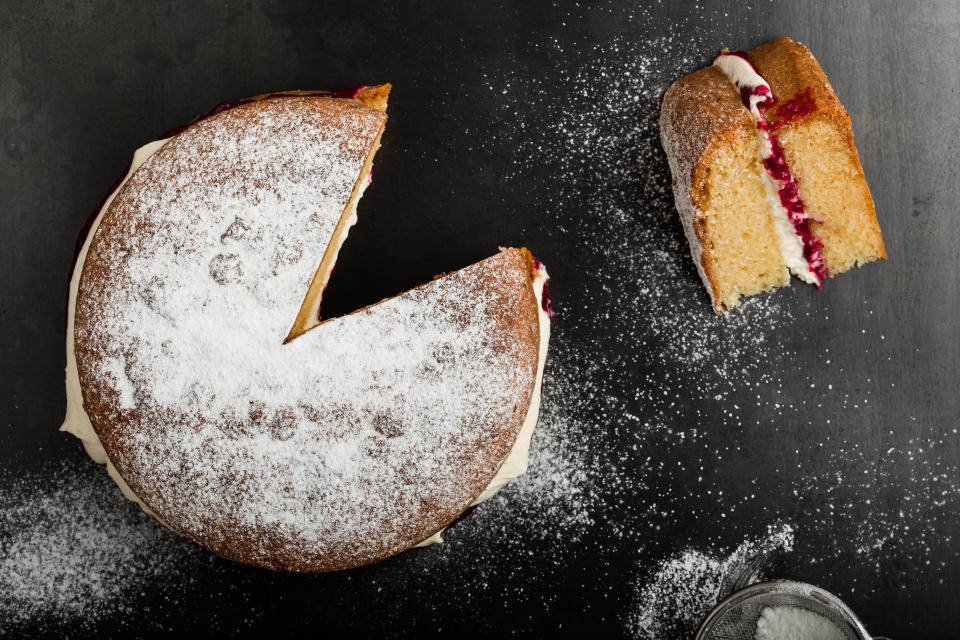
(715, 156)
(351, 442)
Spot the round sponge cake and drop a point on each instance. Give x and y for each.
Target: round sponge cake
(352, 441)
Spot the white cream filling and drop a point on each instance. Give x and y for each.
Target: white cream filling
(515, 464)
(77, 422)
(742, 74)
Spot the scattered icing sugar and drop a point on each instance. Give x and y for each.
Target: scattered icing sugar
(551, 502)
(74, 551)
(345, 443)
(675, 598)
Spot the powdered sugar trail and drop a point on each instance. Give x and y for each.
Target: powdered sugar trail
(678, 594)
(73, 551)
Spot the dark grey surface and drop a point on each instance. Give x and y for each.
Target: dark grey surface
(81, 86)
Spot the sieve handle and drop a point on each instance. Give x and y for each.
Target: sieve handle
(742, 576)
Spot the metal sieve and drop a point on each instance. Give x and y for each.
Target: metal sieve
(735, 617)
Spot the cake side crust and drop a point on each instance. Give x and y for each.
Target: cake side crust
(700, 114)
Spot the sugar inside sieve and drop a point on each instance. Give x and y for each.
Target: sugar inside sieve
(784, 610)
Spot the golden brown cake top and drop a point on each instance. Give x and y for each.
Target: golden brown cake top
(796, 77)
(349, 444)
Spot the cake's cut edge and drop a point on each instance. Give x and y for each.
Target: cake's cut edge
(309, 314)
(819, 145)
(741, 256)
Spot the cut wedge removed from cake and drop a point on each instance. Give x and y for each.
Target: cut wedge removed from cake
(766, 176)
(200, 373)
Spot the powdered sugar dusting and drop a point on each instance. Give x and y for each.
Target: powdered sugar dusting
(657, 417)
(359, 439)
(431, 394)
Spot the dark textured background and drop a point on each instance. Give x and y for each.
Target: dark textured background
(82, 85)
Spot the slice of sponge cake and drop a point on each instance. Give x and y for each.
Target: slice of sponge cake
(766, 176)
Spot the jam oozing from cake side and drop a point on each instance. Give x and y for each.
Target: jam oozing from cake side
(796, 107)
(546, 302)
(801, 250)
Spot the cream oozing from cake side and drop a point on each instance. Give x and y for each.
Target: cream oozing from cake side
(78, 423)
(801, 251)
(515, 464)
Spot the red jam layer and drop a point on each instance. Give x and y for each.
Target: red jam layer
(796, 107)
(546, 302)
(776, 164)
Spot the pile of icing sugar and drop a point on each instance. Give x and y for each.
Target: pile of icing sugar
(792, 623)
(192, 317)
